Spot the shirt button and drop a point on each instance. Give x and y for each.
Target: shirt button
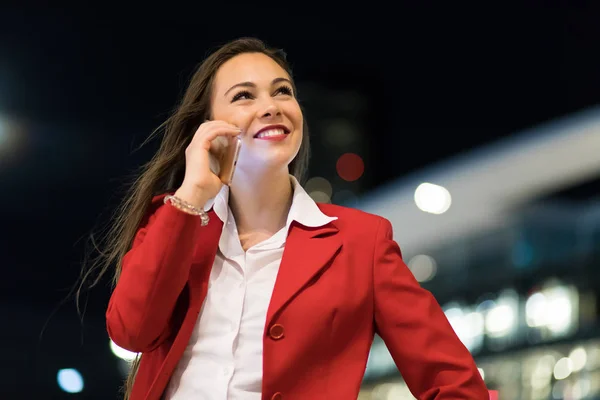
(277, 396)
(226, 371)
(276, 332)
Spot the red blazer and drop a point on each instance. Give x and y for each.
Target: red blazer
(337, 286)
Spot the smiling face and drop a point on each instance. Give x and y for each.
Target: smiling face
(254, 93)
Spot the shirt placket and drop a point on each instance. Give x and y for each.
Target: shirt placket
(235, 300)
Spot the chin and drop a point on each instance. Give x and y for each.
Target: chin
(264, 165)
(271, 159)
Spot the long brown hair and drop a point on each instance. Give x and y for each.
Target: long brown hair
(165, 171)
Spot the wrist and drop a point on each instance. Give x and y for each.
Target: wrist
(192, 195)
(188, 208)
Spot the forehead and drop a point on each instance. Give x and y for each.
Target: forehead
(248, 67)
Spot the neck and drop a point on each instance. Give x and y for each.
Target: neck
(261, 203)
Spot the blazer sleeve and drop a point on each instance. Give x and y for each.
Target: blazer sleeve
(154, 273)
(431, 358)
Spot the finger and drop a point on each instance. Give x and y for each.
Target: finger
(209, 129)
(223, 131)
(207, 125)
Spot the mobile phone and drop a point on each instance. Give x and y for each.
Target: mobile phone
(225, 160)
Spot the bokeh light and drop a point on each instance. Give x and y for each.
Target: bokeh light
(121, 352)
(3, 131)
(563, 368)
(346, 198)
(432, 198)
(320, 197)
(70, 380)
(12, 137)
(318, 184)
(423, 267)
(340, 132)
(350, 167)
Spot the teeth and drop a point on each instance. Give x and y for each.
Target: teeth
(271, 132)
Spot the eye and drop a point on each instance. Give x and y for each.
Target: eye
(286, 90)
(244, 94)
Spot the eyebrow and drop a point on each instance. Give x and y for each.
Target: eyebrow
(253, 85)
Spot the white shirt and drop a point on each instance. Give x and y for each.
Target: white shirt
(223, 359)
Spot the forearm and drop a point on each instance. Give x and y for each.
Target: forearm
(154, 273)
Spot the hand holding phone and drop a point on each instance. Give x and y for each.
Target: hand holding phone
(210, 160)
(223, 157)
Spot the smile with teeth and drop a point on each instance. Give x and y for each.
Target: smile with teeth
(271, 133)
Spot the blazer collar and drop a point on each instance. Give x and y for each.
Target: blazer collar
(308, 252)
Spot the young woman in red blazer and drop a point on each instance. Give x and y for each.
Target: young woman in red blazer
(253, 291)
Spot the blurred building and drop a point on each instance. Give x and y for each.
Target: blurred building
(515, 268)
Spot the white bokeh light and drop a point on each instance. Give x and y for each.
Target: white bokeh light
(552, 308)
(563, 368)
(536, 310)
(432, 198)
(121, 352)
(423, 267)
(578, 357)
(70, 380)
(500, 320)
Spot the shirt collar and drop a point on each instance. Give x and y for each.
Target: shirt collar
(304, 210)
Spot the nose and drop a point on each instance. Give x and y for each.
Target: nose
(269, 109)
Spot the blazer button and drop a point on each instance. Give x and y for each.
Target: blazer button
(277, 396)
(276, 333)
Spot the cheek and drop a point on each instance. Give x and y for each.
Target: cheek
(299, 138)
(299, 123)
(298, 117)
(300, 128)
(240, 117)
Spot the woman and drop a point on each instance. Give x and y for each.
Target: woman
(265, 295)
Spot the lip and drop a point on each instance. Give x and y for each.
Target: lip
(274, 138)
(269, 127)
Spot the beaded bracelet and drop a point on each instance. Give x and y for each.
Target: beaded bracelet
(188, 208)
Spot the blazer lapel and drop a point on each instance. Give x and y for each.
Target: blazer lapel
(308, 251)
